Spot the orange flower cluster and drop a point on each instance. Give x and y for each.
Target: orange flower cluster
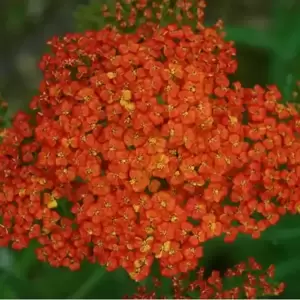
(141, 148)
(253, 281)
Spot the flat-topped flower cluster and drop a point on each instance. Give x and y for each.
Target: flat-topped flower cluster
(143, 137)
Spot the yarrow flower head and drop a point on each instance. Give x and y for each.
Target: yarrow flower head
(143, 136)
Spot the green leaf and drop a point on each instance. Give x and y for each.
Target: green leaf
(24, 260)
(287, 229)
(287, 267)
(285, 30)
(13, 287)
(250, 37)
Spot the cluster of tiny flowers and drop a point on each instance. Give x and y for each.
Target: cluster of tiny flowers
(253, 282)
(140, 148)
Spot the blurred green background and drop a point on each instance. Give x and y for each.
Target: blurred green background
(267, 36)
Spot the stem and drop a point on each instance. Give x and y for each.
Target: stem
(89, 284)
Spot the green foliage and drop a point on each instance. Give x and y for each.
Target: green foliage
(16, 16)
(3, 113)
(42, 281)
(89, 17)
(274, 51)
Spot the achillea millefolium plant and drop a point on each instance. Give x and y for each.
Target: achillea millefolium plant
(140, 136)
